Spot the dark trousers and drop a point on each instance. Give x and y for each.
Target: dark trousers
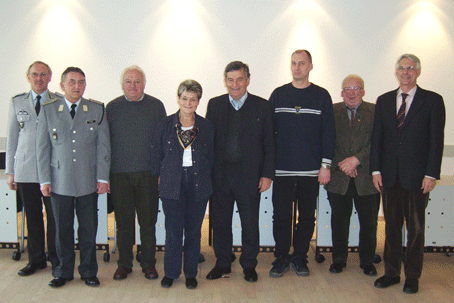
(87, 217)
(304, 192)
(399, 204)
(185, 214)
(223, 199)
(131, 193)
(32, 199)
(341, 211)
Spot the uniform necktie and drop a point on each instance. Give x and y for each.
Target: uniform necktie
(73, 110)
(38, 104)
(401, 113)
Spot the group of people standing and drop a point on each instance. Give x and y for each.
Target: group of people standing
(71, 149)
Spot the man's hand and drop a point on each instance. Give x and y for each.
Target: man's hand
(377, 181)
(428, 184)
(324, 176)
(102, 188)
(46, 189)
(349, 165)
(10, 181)
(264, 184)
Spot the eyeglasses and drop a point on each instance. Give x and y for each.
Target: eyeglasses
(36, 75)
(352, 88)
(408, 68)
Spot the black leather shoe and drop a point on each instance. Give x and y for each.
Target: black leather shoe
(336, 268)
(218, 272)
(250, 274)
(167, 282)
(92, 281)
(369, 270)
(411, 286)
(30, 269)
(191, 283)
(58, 282)
(386, 281)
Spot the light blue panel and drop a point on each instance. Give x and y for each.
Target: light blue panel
(265, 221)
(8, 213)
(324, 237)
(440, 214)
(101, 236)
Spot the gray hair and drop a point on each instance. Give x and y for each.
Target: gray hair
(237, 65)
(133, 67)
(39, 62)
(353, 76)
(190, 85)
(71, 69)
(409, 57)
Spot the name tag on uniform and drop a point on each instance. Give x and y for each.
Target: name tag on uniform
(60, 109)
(85, 108)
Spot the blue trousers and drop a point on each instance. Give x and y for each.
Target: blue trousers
(183, 215)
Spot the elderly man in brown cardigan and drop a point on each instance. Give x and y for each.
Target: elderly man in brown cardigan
(350, 177)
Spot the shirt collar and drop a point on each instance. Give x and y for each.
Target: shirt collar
(135, 101)
(43, 95)
(238, 104)
(411, 93)
(68, 104)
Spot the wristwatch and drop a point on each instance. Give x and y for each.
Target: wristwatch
(326, 165)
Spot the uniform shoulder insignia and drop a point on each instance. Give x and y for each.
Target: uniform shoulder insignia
(94, 101)
(50, 101)
(57, 94)
(18, 95)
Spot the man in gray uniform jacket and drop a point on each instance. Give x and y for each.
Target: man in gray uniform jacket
(21, 166)
(73, 150)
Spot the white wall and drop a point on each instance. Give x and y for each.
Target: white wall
(178, 39)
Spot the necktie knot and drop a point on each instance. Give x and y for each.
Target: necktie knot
(404, 96)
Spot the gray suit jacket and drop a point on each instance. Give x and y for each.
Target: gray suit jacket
(73, 154)
(21, 141)
(353, 142)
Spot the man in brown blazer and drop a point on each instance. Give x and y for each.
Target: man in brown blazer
(350, 177)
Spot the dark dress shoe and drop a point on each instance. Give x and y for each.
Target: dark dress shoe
(191, 283)
(369, 270)
(411, 286)
(122, 273)
(218, 272)
(250, 274)
(336, 268)
(58, 282)
(386, 281)
(30, 269)
(167, 282)
(92, 281)
(150, 272)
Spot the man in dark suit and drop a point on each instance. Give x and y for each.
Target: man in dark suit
(21, 166)
(243, 168)
(73, 151)
(406, 154)
(350, 177)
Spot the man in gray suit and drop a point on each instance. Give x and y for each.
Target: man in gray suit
(73, 165)
(350, 177)
(21, 166)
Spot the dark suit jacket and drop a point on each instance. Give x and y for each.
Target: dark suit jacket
(415, 152)
(256, 139)
(167, 158)
(352, 142)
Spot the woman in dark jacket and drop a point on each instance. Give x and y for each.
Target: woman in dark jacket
(183, 159)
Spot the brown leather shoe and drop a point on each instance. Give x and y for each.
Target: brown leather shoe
(150, 272)
(122, 273)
